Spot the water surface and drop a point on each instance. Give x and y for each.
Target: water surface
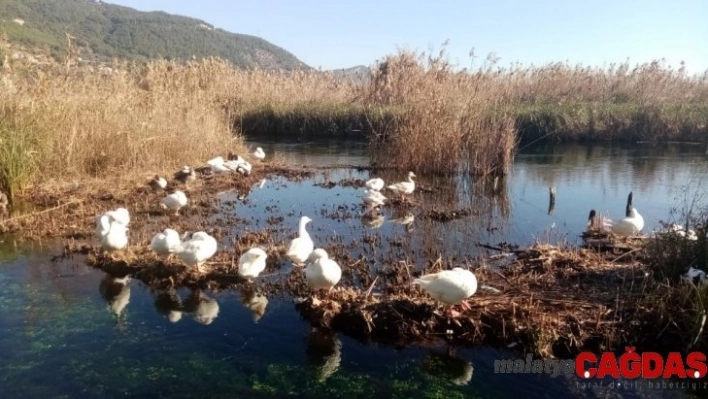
(71, 331)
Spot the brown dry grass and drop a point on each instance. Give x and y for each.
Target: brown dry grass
(420, 112)
(73, 123)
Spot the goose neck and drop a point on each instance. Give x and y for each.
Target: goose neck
(303, 230)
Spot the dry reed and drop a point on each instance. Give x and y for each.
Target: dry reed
(72, 120)
(75, 122)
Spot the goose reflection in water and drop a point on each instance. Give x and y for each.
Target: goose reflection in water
(371, 221)
(255, 302)
(447, 367)
(405, 219)
(116, 292)
(169, 304)
(202, 308)
(324, 353)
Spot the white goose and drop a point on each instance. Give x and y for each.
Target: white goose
(375, 184)
(301, 247)
(174, 201)
(404, 187)
(240, 165)
(252, 263)
(259, 154)
(112, 234)
(321, 271)
(4, 201)
(185, 175)
(678, 230)
(695, 276)
(373, 198)
(632, 224)
(450, 287)
(217, 165)
(158, 183)
(197, 250)
(165, 243)
(118, 215)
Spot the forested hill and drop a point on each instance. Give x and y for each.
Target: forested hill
(103, 31)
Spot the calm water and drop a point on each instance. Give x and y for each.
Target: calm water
(70, 331)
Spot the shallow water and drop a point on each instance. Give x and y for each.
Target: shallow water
(70, 331)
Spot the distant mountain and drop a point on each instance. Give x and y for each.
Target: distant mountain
(104, 31)
(358, 73)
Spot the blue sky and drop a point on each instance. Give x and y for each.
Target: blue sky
(331, 34)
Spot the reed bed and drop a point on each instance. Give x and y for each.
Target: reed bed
(72, 120)
(422, 113)
(76, 123)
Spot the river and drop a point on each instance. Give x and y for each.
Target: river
(71, 331)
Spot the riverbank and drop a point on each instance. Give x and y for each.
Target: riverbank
(549, 300)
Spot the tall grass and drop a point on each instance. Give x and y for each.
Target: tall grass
(424, 114)
(419, 111)
(131, 120)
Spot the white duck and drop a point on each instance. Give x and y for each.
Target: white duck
(450, 287)
(158, 183)
(375, 184)
(165, 243)
(252, 263)
(301, 247)
(632, 224)
(112, 234)
(404, 187)
(174, 201)
(373, 198)
(259, 154)
(321, 271)
(197, 250)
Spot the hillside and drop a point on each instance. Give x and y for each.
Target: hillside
(104, 31)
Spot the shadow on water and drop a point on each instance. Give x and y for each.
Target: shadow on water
(72, 331)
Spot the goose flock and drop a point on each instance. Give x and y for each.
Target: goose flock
(322, 273)
(633, 223)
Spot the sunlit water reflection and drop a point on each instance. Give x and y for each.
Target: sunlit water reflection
(69, 331)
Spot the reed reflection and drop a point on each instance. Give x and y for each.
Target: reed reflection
(448, 367)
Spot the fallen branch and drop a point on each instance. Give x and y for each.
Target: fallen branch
(40, 212)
